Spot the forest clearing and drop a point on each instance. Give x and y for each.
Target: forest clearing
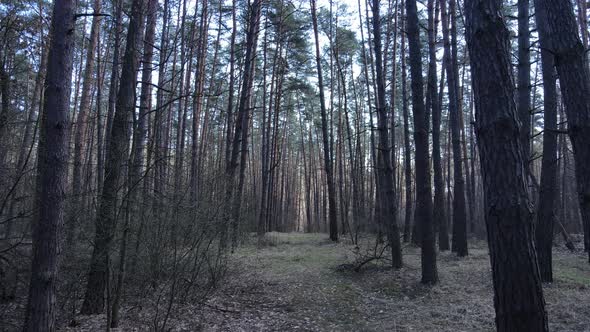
(304, 282)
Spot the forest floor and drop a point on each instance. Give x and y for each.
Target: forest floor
(305, 282)
(302, 282)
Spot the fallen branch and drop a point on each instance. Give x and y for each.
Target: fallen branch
(221, 309)
(377, 255)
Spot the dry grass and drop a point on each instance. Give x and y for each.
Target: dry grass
(301, 282)
(295, 284)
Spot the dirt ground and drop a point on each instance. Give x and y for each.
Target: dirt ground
(302, 282)
(299, 284)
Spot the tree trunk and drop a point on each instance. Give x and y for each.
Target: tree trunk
(114, 81)
(51, 172)
(548, 188)
(421, 157)
(198, 102)
(326, 139)
(81, 129)
(237, 203)
(459, 240)
(524, 79)
(263, 215)
(4, 112)
(241, 129)
(557, 26)
(443, 232)
(518, 295)
(137, 152)
(384, 165)
(116, 158)
(230, 96)
(407, 152)
(439, 213)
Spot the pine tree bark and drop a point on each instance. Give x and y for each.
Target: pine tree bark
(524, 78)
(116, 157)
(408, 229)
(421, 157)
(443, 232)
(518, 295)
(231, 88)
(4, 109)
(137, 153)
(237, 203)
(263, 213)
(52, 166)
(557, 26)
(396, 9)
(548, 188)
(241, 129)
(384, 165)
(81, 127)
(459, 239)
(439, 213)
(5, 116)
(115, 78)
(332, 212)
(198, 101)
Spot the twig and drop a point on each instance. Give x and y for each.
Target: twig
(220, 309)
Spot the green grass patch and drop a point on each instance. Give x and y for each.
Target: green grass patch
(572, 275)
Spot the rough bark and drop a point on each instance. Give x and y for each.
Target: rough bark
(518, 295)
(51, 172)
(263, 215)
(137, 154)
(421, 157)
(557, 27)
(443, 232)
(407, 150)
(115, 78)
(332, 212)
(524, 78)
(241, 129)
(459, 239)
(231, 88)
(198, 101)
(439, 212)
(548, 187)
(81, 127)
(116, 157)
(384, 164)
(4, 114)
